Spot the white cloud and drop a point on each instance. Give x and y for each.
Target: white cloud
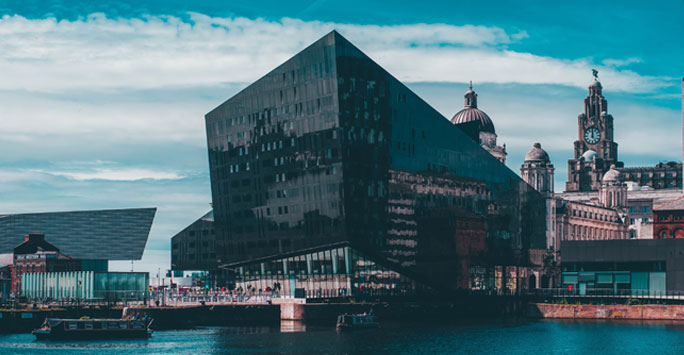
(161, 51)
(621, 62)
(123, 174)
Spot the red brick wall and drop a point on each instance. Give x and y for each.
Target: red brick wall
(669, 221)
(587, 311)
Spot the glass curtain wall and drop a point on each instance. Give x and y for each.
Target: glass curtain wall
(337, 272)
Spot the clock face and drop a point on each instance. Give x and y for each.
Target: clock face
(592, 135)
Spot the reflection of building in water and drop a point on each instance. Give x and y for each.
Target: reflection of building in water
(485, 127)
(331, 178)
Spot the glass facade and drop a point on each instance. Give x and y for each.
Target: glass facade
(616, 282)
(90, 235)
(329, 148)
(194, 248)
(636, 278)
(335, 272)
(105, 286)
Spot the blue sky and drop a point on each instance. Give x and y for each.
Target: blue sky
(102, 103)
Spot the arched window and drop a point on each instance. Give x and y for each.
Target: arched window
(663, 234)
(678, 233)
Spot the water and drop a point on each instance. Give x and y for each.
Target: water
(487, 337)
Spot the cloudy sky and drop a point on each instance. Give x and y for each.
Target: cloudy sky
(102, 103)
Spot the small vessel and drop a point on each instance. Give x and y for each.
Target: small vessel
(357, 321)
(74, 329)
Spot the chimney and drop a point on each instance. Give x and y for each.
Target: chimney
(38, 237)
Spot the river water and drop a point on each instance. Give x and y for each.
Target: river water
(485, 337)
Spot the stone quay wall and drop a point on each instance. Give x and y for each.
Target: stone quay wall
(22, 321)
(588, 311)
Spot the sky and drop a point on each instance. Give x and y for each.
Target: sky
(102, 103)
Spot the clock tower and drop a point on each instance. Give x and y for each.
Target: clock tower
(595, 151)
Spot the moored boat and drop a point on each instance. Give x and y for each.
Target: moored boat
(75, 329)
(357, 321)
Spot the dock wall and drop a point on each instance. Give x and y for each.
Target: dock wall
(22, 321)
(587, 311)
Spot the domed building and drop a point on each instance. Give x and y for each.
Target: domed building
(613, 191)
(488, 136)
(537, 170)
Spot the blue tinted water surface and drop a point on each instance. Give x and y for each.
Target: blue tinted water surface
(487, 337)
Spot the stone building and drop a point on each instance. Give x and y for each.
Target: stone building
(661, 176)
(487, 134)
(596, 219)
(537, 171)
(595, 152)
(582, 221)
(613, 191)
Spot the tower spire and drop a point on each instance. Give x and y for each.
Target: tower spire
(470, 97)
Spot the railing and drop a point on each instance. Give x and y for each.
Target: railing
(606, 293)
(180, 299)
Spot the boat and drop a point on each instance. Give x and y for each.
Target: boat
(85, 328)
(357, 321)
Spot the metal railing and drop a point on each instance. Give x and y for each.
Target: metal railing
(606, 293)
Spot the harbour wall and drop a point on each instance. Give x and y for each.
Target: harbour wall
(22, 321)
(483, 307)
(181, 317)
(588, 311)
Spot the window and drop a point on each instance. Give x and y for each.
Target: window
(644, 209)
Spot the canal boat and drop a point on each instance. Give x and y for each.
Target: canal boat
(85, 328)
(357, 321)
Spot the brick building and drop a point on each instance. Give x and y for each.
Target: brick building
(668, 219)
(34, 255)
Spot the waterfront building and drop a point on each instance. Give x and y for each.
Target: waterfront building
(86, 285)
(582, 221)
(486, 133)
(87, 240)
(98, 235)
(5, 282)
(331, 177)
(668, 219)
(595, 152)
(604, 199)
(35, 254)
(194, 248)
(623, 266)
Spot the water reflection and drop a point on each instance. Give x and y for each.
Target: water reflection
(509, 336)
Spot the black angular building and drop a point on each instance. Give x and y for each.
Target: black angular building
(330, 175)
(194, 248)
